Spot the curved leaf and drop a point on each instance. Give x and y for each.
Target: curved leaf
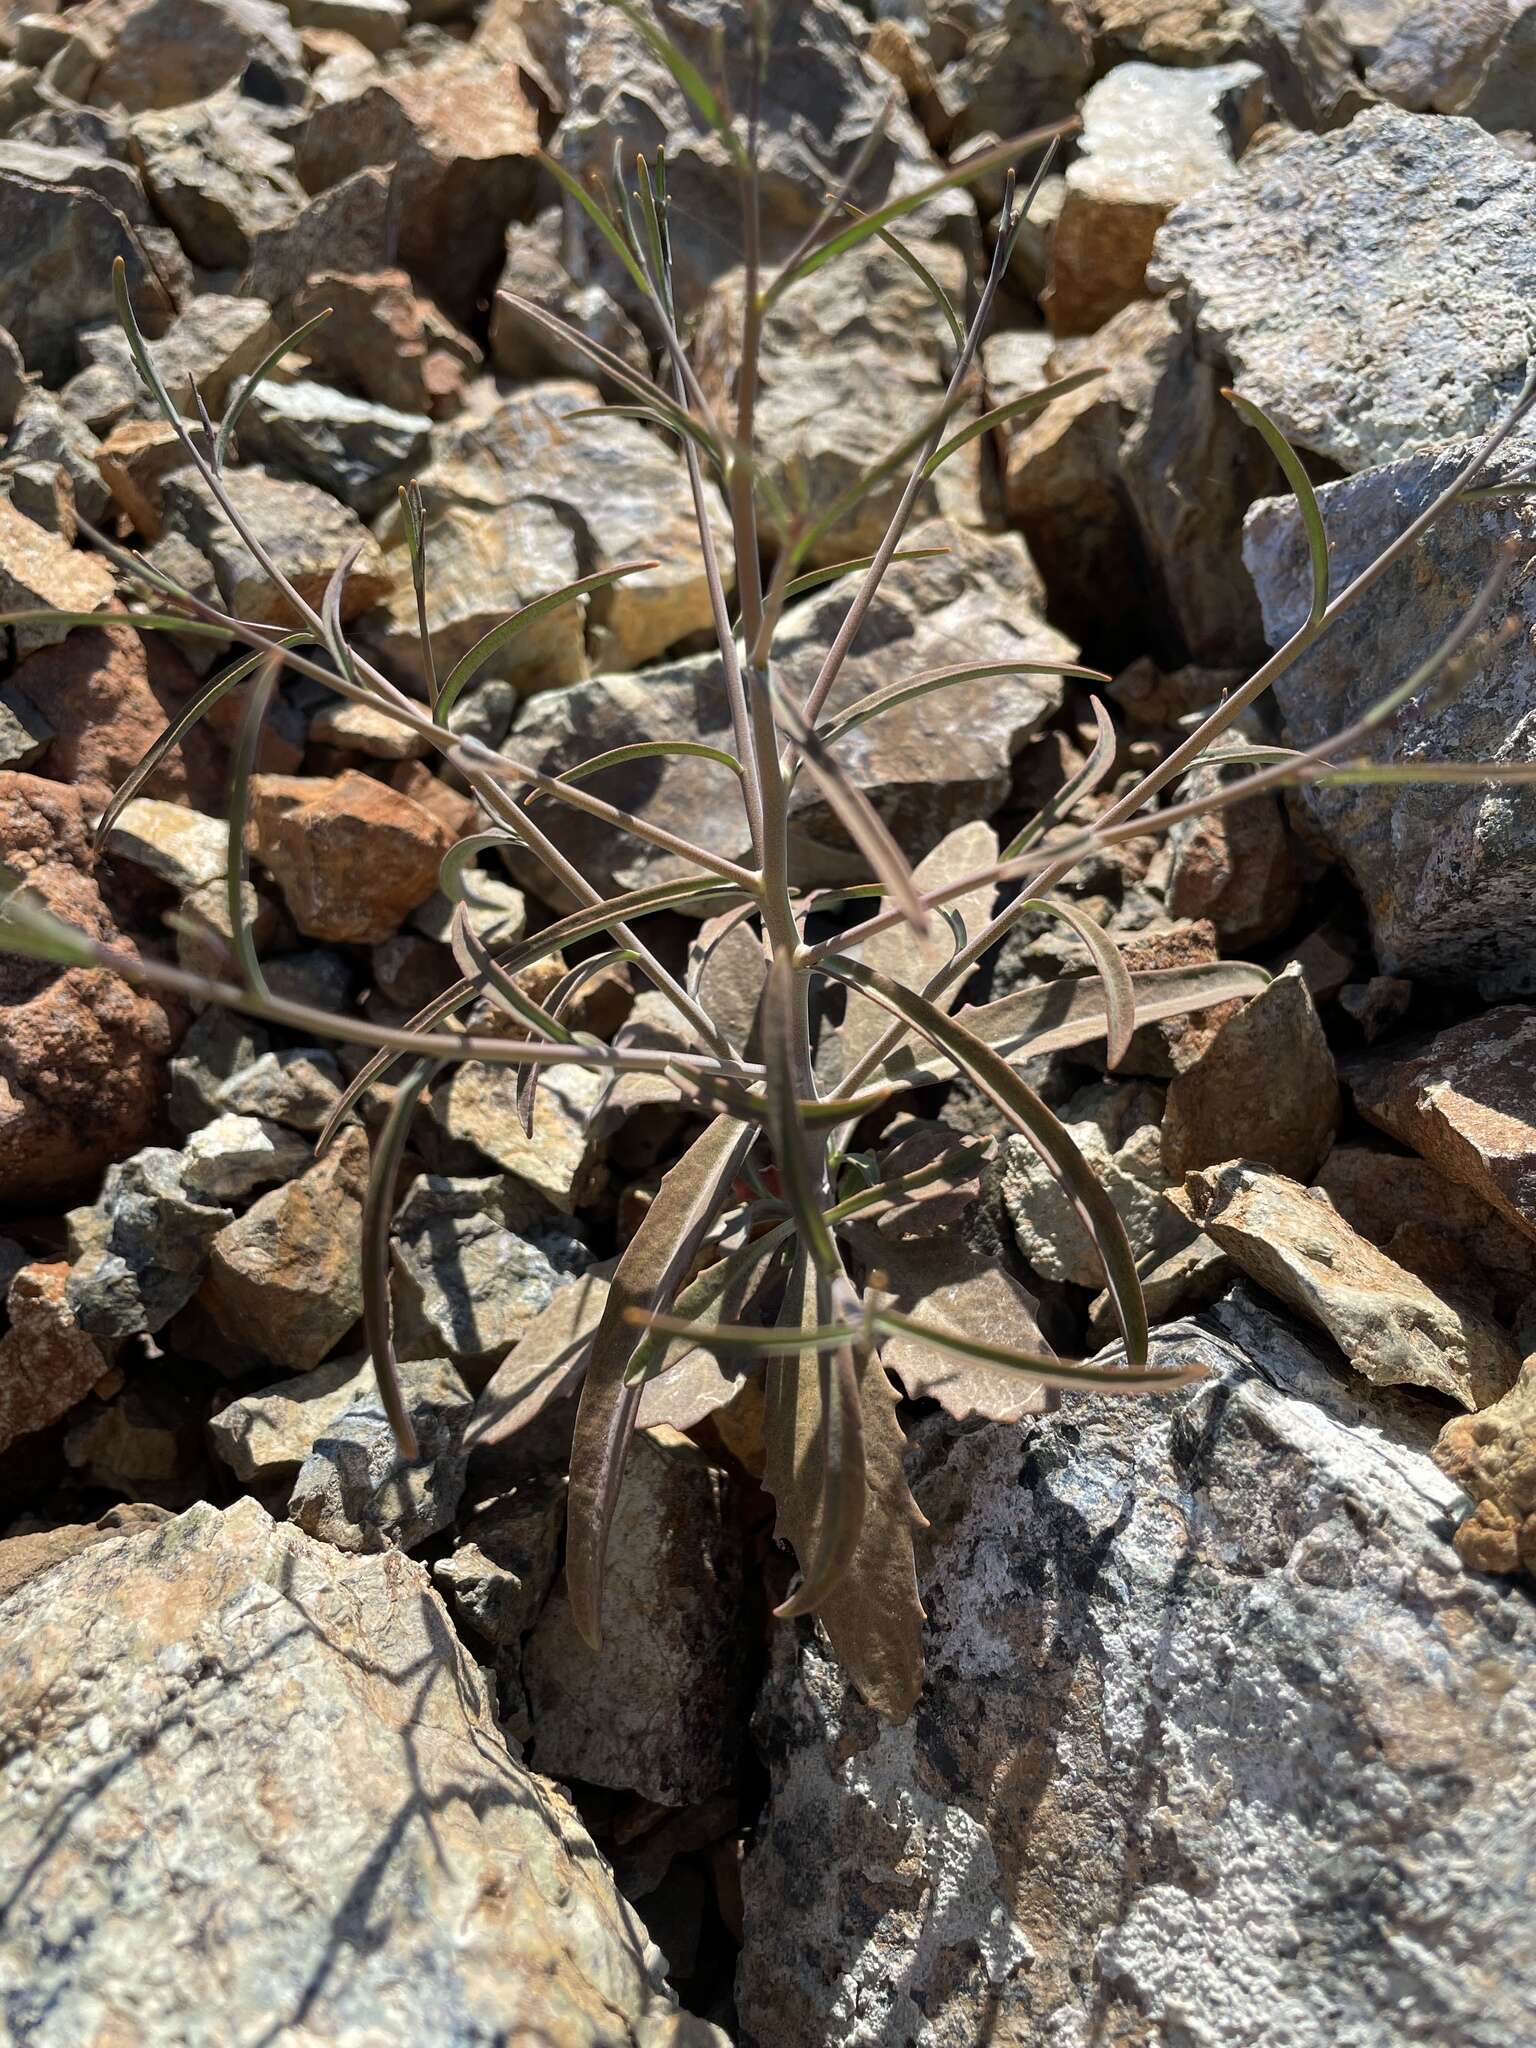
(1015, 408)
(1029, 1115)
(263, 369)
(378, 1211)
(654, 1264)
(924, 684)
(1044, 1366)
(1306, 497)
(470, 664)
(1119, 989)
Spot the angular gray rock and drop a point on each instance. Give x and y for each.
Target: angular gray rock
(304, 530)
(927, 766)
(140, 1252)
(1200, 1672)
(352, 448)
(1367, 322)
(355, 1490)
(472, 1269)
(277, 1771)
(60, 247)
(1446, 869)
(218, 175)
(265, 1437)
(230, 1158)
(658, 1709)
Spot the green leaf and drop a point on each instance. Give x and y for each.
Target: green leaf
(142, 622)
(262, 371)
(614, 366)
(378, 1211)
(1044, 1366)
(1119, 989)
(1029, 1115)
(138, 347)
(654, 1264)
(1101, 758)
(27, 927)
(600, 218)
(695, 86)
(869, 224)
(797, 586)
(921, 272)
(1306, 497)
(175, 732)
(649, 750)
(242, 766)
(1000, 414)
(704, 1307)
(470, 664)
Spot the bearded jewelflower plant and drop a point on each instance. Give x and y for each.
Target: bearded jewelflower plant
(746, 1250)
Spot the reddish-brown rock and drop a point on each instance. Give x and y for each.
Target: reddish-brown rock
(355, 859)
(1264, 1090)
(82, 1054)
(395, 347)
(1492, 1457)
(108, 695)
(47, 1362)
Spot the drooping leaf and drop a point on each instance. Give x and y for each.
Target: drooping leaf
(999, 415)
(1059, 1015)
(872, 1614)
(653, 1266)
(378, 1211)
(1072, 1375)
(1119, 989)
(1101, 758)
(650, 750)
(1306, 497)
(1029, 1115)
(839, 1445)
(930, 680)
(600, 218)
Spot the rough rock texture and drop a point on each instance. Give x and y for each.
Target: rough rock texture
(1212, 1716)
(1151, 138)
(272, 1767)
(307, 534)
(383, 340)
(520, 500)
(82, 1066)
(1492, 1457)
(356, 450)
(1263, 1089)
(659, 1708)
(47, 1362)
(927, 765)
(1131, 489)
(822, 102)
(265, 1437)
(40, 571)
(1391, 1326)
(355, 1490)
(1464, 1100)
(1234, 866)
(61, 243)
(854, 362)
(1447, 871)
(354, 859)
(140, 1250)
(477, 1105)
(217, 175)
(283, 1283)
(1402, 322)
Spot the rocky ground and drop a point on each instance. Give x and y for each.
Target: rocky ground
(1229, 1732)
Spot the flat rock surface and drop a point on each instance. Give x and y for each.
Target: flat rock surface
(1403, 320)
(1220, 1743)
(272, 1769)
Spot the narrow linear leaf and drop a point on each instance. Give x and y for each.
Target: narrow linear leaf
(1029, 1115)
(258, 376)
(561, 996)
(1044, 1366)
(1101, 758)
(29, 928)
(999, 415)
(1306, 497)
(695, 87)
(622, 374)
(1119, 989)
(791, 1149)
(650, 750)
(142, 622)
(653, 1265)
(704, 1306)
(378, 1212)
(470, 664)
(241, 768)
(600, 218)
(920, 271)
(797, 586)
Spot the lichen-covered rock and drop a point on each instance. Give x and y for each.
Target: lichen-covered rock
(1199, 1673)
(1492, 1457)
(140, 1251)
(1426, 341)
(271, 1766)
(658, 1709)
(1447, 870)
(355, 1490)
